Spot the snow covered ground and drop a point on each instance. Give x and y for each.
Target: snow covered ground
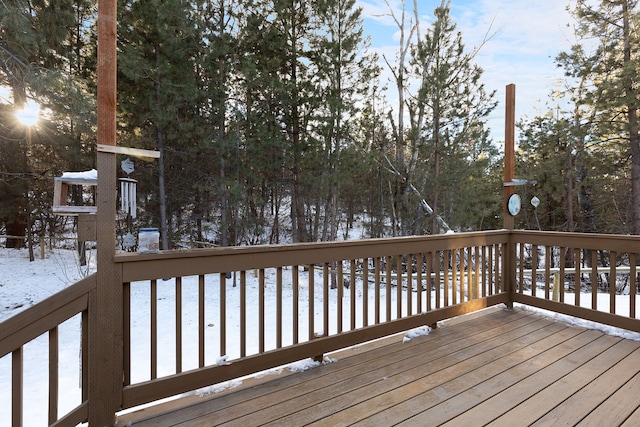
(24, 283)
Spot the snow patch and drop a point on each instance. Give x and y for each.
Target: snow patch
(417, 332)
(222, 361)
(307, 364)
(227, 385)
(609, 330)
(88, 175)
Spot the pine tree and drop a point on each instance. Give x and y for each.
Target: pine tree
(38, 61)
(342, 71)
(606, 62)
(447, 122)
(158, 87)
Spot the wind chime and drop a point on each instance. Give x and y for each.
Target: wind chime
(128, 196)
(128, 202)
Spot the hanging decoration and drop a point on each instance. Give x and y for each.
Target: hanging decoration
(128, 196)
(128, 202)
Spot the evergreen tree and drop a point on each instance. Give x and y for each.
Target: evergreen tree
(608, 75)
(447, 123)
(262, 93)
(342, 71)
(158, 88)
(44, 56)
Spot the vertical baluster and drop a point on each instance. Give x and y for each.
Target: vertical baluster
(632, 285)
(365, 292)
(486, 271)
(458, 266)
(325, 298)
(352, 293)
(462, 266)
(388, 287)
(438, 267)
(376, 284)
(454, 277)
(84, 356)
(53, 375)
(472, 261)
(16, 387)
(465, 262)
(261, 311)
(295, 270)
(399, 286)
(178, 291)
(578, 281)
(312, 309)
(419, 264)
(534, 269)
(521, 268)
(477, 283)
(612, 281)
(126, 333)
(154, 329)
(223, 313)
(243, 313)
(201, 317)
(498, 285)
(561, 281)
(279, 307)
(340, 296)
(594, 279)
(409, 284)
(547, 271)
(429, 279)
(488, 265)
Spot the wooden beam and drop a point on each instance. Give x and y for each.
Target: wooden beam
(105, 379)
(509, 151)
(509, 272)
(133, 152)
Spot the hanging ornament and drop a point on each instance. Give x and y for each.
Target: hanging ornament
(535, 201)
(128, 241)
(128, 196)
(128, 189)
(127, 166)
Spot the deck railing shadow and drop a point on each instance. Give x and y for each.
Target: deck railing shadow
(213, 315)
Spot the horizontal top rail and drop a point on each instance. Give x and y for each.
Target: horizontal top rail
(206, 261)
(590, 241)
(572, 270)
(27, 325)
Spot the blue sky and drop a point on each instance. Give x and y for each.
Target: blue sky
(527, 36)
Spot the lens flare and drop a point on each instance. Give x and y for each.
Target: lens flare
(29, 114)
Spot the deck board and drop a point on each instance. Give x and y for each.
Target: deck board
(501, 367)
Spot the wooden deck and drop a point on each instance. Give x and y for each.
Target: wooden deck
(498, 367)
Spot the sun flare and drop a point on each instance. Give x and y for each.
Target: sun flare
(29, 114)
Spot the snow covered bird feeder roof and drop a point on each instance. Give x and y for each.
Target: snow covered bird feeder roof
(61, 192)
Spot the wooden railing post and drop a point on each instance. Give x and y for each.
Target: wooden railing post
(509, 260)
(105, 304)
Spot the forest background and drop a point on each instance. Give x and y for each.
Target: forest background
(274, 122)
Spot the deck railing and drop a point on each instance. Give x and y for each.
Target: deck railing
(323, 293)
(45, 320)
(590, 276)
(213, 315)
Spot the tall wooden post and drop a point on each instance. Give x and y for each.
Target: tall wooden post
(105, 306)
(509, 272)
(509, 151)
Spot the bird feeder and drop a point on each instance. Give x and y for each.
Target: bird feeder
(86, 180)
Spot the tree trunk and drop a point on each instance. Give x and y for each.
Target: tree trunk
(632, 117)
(164, 227)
